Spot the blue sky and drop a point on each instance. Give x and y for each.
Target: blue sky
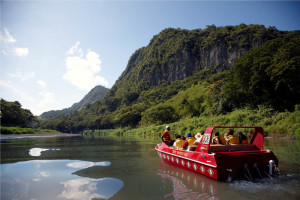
(54, 52)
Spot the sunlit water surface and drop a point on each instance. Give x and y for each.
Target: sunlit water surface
(107, 167)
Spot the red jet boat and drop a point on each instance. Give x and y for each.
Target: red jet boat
(224, 162)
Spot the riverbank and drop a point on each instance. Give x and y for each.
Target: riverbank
(18, 130)
(276, 125)
(18, 136)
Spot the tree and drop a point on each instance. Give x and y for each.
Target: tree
(159, 114)
(12, 114)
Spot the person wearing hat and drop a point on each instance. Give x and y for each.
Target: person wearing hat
(166, 136)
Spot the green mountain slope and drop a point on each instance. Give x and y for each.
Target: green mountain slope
(95, 94)
(183, 74)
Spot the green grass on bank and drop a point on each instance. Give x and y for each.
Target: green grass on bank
(275, 124)
(19, 130)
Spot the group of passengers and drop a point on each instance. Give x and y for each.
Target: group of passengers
(230, 138)
(183, 142)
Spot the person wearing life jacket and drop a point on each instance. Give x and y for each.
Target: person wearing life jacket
(217, 139)
(232, 139)
(166, 136)
(185, 144)
(178, 142)
(242, 138)
(190, 138)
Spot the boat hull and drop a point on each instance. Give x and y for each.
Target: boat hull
(220, 166)
(193, 161)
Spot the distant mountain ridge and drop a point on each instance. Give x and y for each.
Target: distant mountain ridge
(95, 94)
(183, 74)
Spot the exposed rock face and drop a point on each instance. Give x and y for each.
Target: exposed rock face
(176, 54)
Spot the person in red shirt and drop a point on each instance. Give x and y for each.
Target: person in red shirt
(166, 136)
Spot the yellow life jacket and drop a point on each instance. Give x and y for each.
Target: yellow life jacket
(233, 139)
(179, 142)
(191, 140)
(218, 139)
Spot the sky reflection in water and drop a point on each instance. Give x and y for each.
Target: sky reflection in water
(55, 179)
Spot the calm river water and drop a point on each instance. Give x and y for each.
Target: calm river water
(111, 167)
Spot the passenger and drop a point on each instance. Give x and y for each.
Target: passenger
(166, 136)
(232, 139)
(190, 138)
(178, 142)
(202, 133)
(198, 138)
(242, 138)
(218, 139)
(185, 144)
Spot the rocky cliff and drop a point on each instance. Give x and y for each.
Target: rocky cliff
(175, 54)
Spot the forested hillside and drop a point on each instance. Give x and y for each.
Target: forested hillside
(184, 74)
(95, 94)
(12, 114)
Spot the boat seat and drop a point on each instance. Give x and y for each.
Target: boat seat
(232, 147)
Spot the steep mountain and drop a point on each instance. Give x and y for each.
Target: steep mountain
(186, 73)
(175, 54)
(95, 94)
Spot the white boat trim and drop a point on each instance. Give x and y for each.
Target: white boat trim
(202, 163)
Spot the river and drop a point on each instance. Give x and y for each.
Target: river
(124, 167)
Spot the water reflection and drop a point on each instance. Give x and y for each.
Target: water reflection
(55, 179)
(188, 185)
(38, 151)
(85, 164)
(87, 188)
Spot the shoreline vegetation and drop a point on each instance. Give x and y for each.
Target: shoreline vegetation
(275, 124)
(18, 130)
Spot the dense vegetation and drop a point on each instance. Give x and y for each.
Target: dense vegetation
(176, 77)
(19, 130)
(233, 75)
(17, 120)
(95, 94)
(12, 114)
(278, 124)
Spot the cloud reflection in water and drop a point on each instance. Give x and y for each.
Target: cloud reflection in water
(55, 179)
(86, 164)
(87, 188)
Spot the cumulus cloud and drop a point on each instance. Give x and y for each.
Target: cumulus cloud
(41, 83)
(5, 36)
(75, 50)
(8, 45)
(21, 51)
(82, 70)
(47, 98)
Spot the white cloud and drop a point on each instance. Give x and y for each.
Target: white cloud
(42, 83)
(82, 71)
(21, 51)
(22, 76)
(8, 45)
(47, 98)
(8, 85)
(75, 50)
(7, 37)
